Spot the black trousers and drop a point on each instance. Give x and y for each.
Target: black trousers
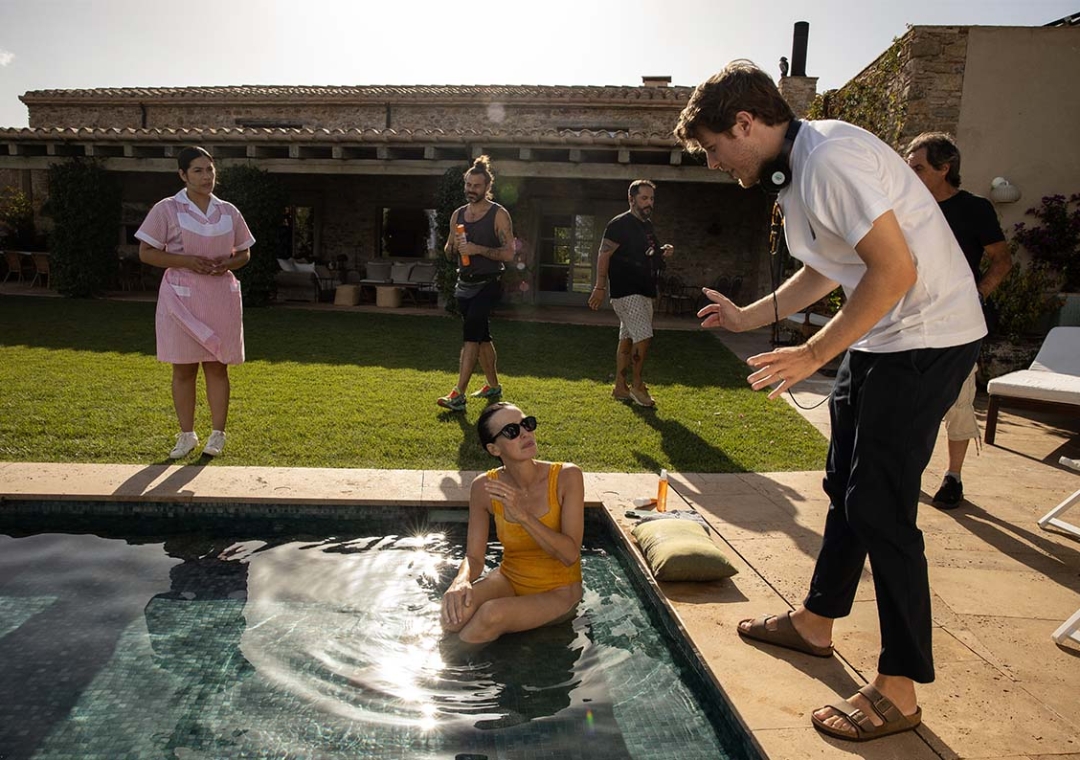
(886, 410)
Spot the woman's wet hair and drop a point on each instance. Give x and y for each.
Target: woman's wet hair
(190, 154)
(483, 425)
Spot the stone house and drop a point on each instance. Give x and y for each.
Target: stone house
(1008, 95)
(361, 166)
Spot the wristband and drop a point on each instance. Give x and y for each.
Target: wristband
(597, 287)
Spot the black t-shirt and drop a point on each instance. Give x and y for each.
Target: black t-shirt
(974, 224)
(632, 268)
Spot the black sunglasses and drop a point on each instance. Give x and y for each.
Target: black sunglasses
(513, 430)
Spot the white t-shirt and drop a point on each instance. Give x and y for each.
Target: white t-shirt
(844, 179)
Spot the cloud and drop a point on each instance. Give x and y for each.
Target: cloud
(6, 57)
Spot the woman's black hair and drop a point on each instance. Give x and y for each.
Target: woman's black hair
(189, 154)
(482, 430)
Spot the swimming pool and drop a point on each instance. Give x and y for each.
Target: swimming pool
(217, 637)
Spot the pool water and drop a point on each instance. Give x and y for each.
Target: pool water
(289, 639)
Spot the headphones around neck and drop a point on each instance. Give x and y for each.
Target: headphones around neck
(776, 174)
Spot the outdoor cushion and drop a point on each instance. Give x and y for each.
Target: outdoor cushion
(399, 272)
(287, 265)
(377, 270)
(681, 550)
(422, 273)
(1053, 376)
(305, 266)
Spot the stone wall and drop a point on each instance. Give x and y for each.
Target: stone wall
(366, 116)
(75, 115)
(936, 62)
(799, 92)
(913, 87)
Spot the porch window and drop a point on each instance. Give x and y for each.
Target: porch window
(567, 245)
(407, 232)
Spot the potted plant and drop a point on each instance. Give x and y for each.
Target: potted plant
(1055, 244)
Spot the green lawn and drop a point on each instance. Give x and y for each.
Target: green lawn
(79, 383)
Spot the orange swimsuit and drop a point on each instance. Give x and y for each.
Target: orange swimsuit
(528, 567)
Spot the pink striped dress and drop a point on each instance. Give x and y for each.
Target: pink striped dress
(199, 317)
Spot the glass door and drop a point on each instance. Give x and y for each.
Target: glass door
(568, 245)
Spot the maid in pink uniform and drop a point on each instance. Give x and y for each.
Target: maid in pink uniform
(198, 239)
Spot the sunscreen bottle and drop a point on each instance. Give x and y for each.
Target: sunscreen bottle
(661, 492)
(461, 234)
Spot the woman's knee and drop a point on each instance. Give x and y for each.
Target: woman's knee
(185, 372)
(486, 624)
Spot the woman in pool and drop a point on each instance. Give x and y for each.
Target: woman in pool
(198, 239)
(539, 510)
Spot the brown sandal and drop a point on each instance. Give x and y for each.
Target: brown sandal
(785, 635)
(895, 722)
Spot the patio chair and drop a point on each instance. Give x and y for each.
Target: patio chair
(41, 269)
(1070, 629)
(1051, 383)
(673, 296)
(14, 261)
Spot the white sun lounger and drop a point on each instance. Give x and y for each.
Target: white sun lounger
(1070, 629)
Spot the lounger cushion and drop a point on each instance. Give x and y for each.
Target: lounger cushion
(400, 272)
(1038, 385)
(377, 270)
(680, 550)
(1053, 376)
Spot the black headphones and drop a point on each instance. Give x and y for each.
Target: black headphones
(776, 175)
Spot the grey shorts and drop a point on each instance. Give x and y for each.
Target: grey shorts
(635, 317)
(960, 422)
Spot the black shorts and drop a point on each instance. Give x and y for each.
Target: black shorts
(476, 311)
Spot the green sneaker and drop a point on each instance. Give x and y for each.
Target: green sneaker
(488, 392)
(454, 401)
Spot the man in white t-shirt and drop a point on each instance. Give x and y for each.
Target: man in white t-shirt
(858, 217)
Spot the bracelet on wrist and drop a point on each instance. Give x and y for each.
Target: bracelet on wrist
(597, 287)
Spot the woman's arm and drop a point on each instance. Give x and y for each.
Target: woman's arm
(563, 544)
(156, 257)
(459, 595)
(472, 567)
(235, 261)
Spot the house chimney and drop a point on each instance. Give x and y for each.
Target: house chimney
(798, 48)
(660, 81)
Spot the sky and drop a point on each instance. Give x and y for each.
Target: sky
(69, 44)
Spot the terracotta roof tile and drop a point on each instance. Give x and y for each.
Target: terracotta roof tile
(609, 139)
(369, 93)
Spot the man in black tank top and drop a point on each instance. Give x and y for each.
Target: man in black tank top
(935, 158)
(481, 238)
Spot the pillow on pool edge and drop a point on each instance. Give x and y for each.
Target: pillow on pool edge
(679, 550)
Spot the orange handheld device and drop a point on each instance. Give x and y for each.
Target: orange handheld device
(461, 233)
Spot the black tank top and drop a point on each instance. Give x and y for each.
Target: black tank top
(482, 232)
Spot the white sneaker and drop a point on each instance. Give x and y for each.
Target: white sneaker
(214, 444)
(185, 444)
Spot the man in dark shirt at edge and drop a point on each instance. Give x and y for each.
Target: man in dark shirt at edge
(936, 160)
(629, 258)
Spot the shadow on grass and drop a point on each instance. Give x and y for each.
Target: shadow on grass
(677, 441)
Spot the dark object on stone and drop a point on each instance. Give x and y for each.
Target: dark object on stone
(783, 66)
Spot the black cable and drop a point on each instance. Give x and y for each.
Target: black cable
(777, 246)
